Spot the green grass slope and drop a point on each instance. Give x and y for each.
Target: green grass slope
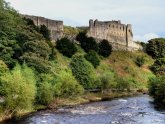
(123, 64)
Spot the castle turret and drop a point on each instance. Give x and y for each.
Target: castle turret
(129, 35)
(91, 24)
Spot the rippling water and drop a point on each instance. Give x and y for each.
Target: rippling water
(132, 110)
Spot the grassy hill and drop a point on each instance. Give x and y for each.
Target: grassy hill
(123, 64)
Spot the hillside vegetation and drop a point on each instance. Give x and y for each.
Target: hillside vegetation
(37, 73)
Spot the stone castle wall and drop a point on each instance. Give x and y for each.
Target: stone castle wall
(119, 35)
(55, 26)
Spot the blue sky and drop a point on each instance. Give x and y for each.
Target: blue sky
(146, 16)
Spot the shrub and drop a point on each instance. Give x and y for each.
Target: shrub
(105, 48)
(45, 90)
(140, 61)
(93, 58)
(3, 67)
(157, 88)
(66, 47)
(108, 81)
(83, 71)
(45, 93)
(67, 85)
(122, 84)
(18, 88)
(38, 63)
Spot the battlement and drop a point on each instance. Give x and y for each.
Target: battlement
(113, 31)
(55, 26)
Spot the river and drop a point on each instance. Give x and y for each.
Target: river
(131, 110)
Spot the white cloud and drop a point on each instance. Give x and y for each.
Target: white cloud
(145, 37)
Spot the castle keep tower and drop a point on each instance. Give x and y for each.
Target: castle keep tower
(55, 26)
(119, 35)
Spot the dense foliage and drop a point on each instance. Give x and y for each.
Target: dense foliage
(67, 86)
(105, 48)
(19, 89)
(82, 70)
(156, 48)
(159, 66)
(45, 32)
(66, 47)
(87, 43)
(140, 61)
(34, 73)
(157, 89)
(93, 58)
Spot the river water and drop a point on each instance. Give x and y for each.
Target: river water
(131, 110)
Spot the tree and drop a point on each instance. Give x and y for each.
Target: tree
(157, 89)
(156, 48)
(18, 88)
(45, 32)
(159, 66)
(81, 37)
(87, 43)
(36, 54)
(105, 48)
(83, 71)
(66, 47)
(93, 58)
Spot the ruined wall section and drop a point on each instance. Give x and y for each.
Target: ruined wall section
(55, 26)
(119, 35)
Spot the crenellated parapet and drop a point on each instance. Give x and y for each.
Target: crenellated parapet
(55, 26)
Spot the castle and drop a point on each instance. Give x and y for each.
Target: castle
(55, 26)
(119, 35)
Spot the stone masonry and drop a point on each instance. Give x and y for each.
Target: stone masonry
(55, 26)
(119, 35)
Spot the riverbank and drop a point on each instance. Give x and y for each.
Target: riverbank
(71, 102)
(138, 109)
(87, 98)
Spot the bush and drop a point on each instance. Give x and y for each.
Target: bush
(66, 47)
(123, 84)
(67, 85)
(83, 71)
(157, 89)
(93, 58)
(105, 48)
(45, 93)
(140, 61)
(45, 88)
(38, 63)
(159, 66)
(18, 88)
(3, 68)
(108, 81)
